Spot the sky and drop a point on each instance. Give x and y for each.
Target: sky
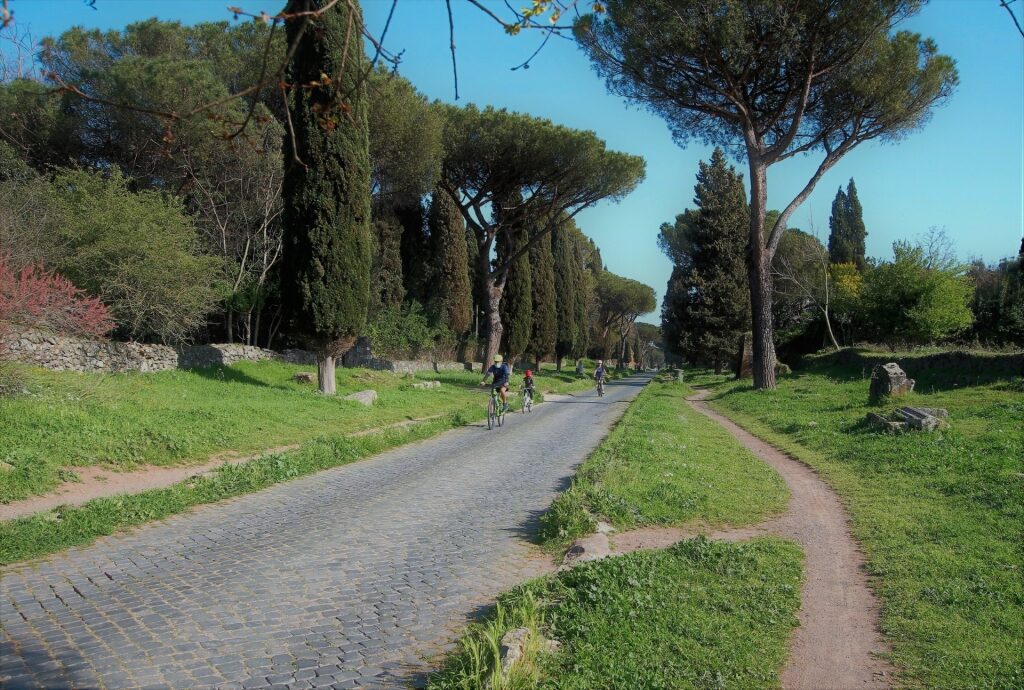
(964, 172)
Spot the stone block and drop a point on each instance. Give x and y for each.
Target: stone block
(367, 397)
(888, 380)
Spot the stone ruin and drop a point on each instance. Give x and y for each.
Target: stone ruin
(907, 418)
(888, 381)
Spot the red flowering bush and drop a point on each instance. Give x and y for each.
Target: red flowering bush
(33, 296)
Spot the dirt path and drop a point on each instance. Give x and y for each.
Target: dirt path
(837, 643)
(103, 482)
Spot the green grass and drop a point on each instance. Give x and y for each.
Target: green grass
(45, 533)
(123, 420)
(700, 614)
(940, 516)
(665, 464)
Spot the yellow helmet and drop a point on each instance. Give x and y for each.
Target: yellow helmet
(497, 359)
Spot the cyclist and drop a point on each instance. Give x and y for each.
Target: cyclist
(500, 371)
(528, 384)
(599, 373)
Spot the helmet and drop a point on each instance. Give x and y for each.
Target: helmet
(529, 372)
(600, 362)
(497, 359)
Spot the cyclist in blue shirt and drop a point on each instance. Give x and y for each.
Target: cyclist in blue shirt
(501, 373)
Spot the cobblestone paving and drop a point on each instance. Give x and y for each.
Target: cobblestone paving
(345, 579)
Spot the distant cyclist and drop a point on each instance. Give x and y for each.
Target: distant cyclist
(528, 383)
(599, 373)
(501, 373)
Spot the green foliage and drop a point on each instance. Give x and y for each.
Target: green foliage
(516, 300)
(707, 307)
(544, 326)
(494, 155)
(998, 303)
(386, 287)
(572, 290)
(938, 516)
(405, 138)
(914, 299)
(325, 271)
(700, 614)
(452, 298)
(137, 251)
(36, 127)
(846, 240)
(406, 333)
(666, 464)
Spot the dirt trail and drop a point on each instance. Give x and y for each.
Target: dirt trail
(837, 644)
(103, 482)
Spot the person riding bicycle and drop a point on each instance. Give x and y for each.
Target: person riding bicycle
(528, 382)
(501, 373)
(599, 373)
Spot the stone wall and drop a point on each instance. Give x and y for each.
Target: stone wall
(64, 353)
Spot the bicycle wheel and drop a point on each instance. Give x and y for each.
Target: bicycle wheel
(491, 410)
(529, 403)
(501, 413)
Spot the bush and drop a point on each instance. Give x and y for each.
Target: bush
(915, 299)
(138, 252)
(406, 333)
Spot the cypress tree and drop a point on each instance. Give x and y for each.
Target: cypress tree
(855, 226)
(452, 298)
(846, 239)
(566, 287)
(386, 288)
(516, 303)
(326, 257)
(708, 291)
(584, 302)
(416, 258)
(544, 328)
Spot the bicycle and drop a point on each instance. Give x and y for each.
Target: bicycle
(527, 401)
(495, 409)
(600, 388)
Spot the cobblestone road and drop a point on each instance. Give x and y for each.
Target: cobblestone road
(344, 579)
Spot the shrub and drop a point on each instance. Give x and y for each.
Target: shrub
(406, 333)
(35, 297)
(138, 252)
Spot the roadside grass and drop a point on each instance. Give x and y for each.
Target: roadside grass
(122, 421)
(665, 464)
(940, 516)
(45, 533)
(701, 614)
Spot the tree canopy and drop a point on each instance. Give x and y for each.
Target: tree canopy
(774, 80)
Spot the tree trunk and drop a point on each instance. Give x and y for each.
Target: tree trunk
(231, 326)
(256, 328)
(763, 345)
(718, 366)
(325, 374)
(831, 335)
(759, 275)
(494, 328)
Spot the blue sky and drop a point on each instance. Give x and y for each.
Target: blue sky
(963, 172)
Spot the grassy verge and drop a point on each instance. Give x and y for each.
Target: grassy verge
(940, 516)
(123, 420)
(699, 614)
(64, 527)
(665, 464)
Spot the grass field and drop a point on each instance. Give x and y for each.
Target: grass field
(940, 516)
(700, 614)
(124, 420)
(665, 464)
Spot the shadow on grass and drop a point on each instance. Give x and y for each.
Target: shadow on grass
(229, 374)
